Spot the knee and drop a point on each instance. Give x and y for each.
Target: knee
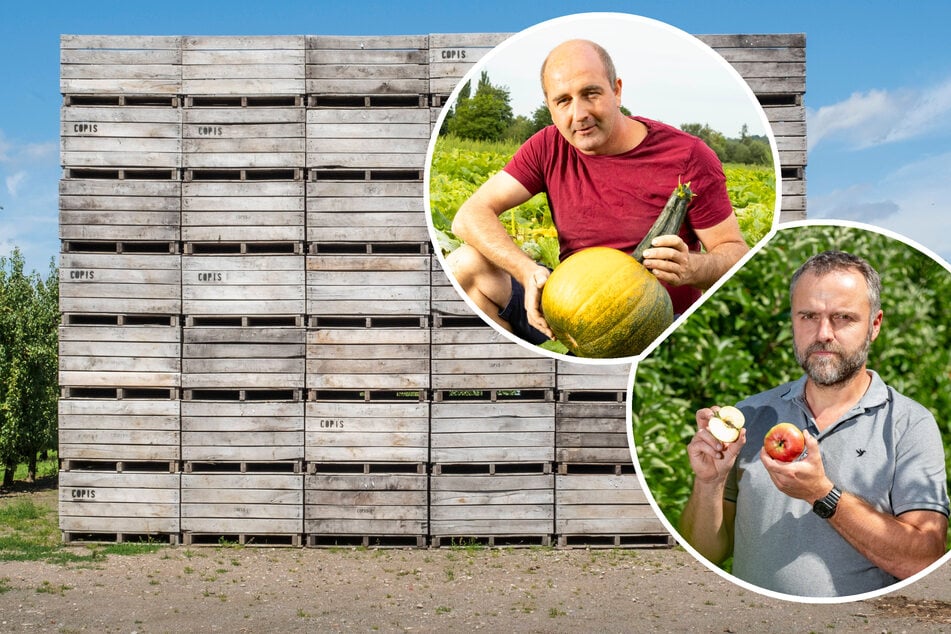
(465, 264)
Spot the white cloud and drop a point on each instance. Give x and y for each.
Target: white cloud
(877, 117)
(14, 181)
(910, 200)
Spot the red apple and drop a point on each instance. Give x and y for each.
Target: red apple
(784, 442)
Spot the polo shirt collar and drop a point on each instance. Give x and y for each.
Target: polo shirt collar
(875, 396)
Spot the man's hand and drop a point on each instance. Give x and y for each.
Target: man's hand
(710, 459)
(803, 479)
(533, 283)
(668, 258)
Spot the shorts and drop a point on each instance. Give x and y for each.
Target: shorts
(514, 313)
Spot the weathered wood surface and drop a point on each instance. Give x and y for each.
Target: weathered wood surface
(582, 377)
(120, 356)
(120, 283)
(481, 358)
(243, 211)
(242, 503)
(243, 65)
(120, 64)
(114, 210)
(103, 429)
(508, 504)
(355, 431)
(607, 504)
(242, 431)
(452, 55)
(374, 65)
(591, 432)
(366, 212)
(368, 284)
(243, 285)
(368, 358)
(243, 357)
(119, 502)
(506, 431)
(368, 504)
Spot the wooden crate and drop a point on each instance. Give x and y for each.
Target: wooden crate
(120, 65)
(120, 282)
(243, 65)
(243, 357)
(509, 508)
(344, 211)
(774, 66)
(368, 358)
(505, 431)
(128, 429)
(243, 211)
(253, 507)
(249, 284)
(590, 507)
(480, 358)
(242, 431)
(373, 138)
(236, 136)
(115, 505)
(376, 507)
(359, 430)
(588, 431)
(588, 378)
(446, 300)
(120, 356)
(384, 285)
(367, 66)
(115, 210)
(121, 136)
(452, 55)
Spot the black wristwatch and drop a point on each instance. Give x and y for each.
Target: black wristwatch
(825, 507)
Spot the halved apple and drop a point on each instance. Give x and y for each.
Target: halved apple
(726, 424)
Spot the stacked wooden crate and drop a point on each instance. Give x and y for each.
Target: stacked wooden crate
(368, 279)
(243, 288)
(598, 499)
(120, 287)
(257, 342)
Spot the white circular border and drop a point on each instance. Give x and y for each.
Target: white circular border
(500, 49)
(676, 534)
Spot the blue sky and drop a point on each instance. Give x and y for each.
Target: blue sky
(878, 88)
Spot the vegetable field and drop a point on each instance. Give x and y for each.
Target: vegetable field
(460, 166)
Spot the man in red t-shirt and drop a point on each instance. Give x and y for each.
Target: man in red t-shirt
(607, 177)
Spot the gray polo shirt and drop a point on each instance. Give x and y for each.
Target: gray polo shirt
(887, 450)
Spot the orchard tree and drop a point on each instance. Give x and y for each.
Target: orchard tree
(485, 116)
(29, 316)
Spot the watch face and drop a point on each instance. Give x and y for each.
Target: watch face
(825, 507)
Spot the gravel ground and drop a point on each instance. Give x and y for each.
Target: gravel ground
(244, 589)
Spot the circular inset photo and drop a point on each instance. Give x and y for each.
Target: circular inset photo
(793, 432)
(591, 177)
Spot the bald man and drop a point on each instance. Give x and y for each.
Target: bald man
(607, 176)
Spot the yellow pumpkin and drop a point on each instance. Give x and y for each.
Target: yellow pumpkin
(602, 303)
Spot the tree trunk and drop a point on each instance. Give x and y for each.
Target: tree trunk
(8, 471)
(31, 468)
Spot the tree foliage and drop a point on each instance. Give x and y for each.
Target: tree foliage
(748, 149)
(739, 342)
(29, 316)
(485, 116)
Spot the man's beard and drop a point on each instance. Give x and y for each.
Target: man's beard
(832, 371)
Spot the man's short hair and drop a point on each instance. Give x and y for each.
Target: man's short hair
(829, 261)
(606, 62)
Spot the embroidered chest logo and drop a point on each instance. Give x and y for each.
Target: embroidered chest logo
(860, 452)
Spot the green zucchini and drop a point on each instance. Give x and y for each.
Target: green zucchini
(670, 219)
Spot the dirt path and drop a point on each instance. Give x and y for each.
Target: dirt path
(221, 589)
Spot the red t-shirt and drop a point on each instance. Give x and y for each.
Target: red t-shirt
(613, 200)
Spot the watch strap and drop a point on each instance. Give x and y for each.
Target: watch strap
(825, 506)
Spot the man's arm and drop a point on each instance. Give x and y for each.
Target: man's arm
(707, 520)
(901, 546)
(671, 261)
(477, 223)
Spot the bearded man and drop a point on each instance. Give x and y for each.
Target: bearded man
(868, 504)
